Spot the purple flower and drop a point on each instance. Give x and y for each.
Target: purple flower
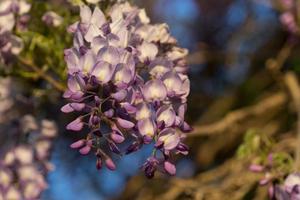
(154, 90)
(167, 115)
(52, 19)
(146, 127)
(292, 186)
(169, 138)
(128, 80)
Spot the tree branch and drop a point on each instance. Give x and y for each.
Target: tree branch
(57, 85)
(234, 117)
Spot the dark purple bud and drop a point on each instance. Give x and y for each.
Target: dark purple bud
(97, 101)
(77, 144)
(182, 148)
(150, 166)
(75, 125)
(95, 120)
(85, 150)
(133, 147)
(109, 113)
(125, 123)
(170, 168)
(110, 164)
(149, 171)
(147, 139)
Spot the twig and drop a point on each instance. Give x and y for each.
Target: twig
(271, 102)
(274, 65)
(43, 75)
(294, 89)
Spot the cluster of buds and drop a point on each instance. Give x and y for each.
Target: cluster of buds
(128, 79)
(290, 189)
(52, 19)
(13, 15)
(290, 15)
(274, 174)
(25, 157)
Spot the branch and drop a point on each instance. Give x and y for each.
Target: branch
(234, 117)
(294, 89)
(57, 85)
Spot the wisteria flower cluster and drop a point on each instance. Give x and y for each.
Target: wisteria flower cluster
(289, 16)
(290, 189)
(127, 79)
(25, 163)
(13, 14)
(274, 174)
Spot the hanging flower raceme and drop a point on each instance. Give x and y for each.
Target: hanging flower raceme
(127, 79)
(13, 13)
(289, 16)
(25, 161)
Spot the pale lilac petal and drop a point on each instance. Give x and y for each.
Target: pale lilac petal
(120, 95)
(73, 84)
(73, 27)
(167, 115)
(125, 123)
(109, 54)
(154, 90)
(87, 62)
(122, 75)
(170, 138)
(144, 111)
(146, 127)
(103, 71)
(85, 14)
(98, 17)
(72, 60)
(92, 32)
(148, 51)
(173, 83)
(98, 43)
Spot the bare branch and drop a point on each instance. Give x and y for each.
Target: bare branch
(234, 117)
